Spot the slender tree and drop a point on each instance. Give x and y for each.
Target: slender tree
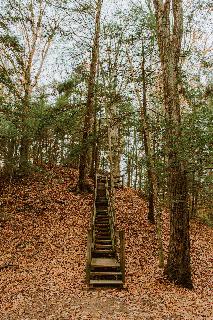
(88, 119)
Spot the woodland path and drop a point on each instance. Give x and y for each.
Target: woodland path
(44, 235)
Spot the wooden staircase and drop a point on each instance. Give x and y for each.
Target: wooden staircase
(105, 249)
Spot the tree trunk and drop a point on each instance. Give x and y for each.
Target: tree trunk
(84, 161)
(129, 169)
(147, 146)
(9, 159)
(24, 164)
(24, 153)
(178, 263)
(169, 41)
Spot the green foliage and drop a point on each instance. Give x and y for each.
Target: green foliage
(197, 129)
(7, 128)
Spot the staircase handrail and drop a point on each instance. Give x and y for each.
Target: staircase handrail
(93, 216)
(89, 255)
(122, 253)
(111, 216)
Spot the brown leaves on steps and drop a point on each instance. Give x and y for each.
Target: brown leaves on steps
(45, 242)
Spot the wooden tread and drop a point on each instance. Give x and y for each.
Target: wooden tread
(105, 251)
(106, 273)
(104, 262)
(103, 246)
(106, 282)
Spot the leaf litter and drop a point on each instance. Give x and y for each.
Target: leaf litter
(43, 257)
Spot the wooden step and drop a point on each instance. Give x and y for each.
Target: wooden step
(103, 235)
(106, 282)
(106, 273)
(103, 246)
(102, 216)
(103, 241)
(101, 200)
(101, 206)
(104, 238)
(104, 251)
(102, 224)
(103, 255)
(104, 262)
(102, 229)
(103, 232)
(102, 209)
(106, 227)
(102, 213)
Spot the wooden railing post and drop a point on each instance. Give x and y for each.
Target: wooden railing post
(93, 215)
(89, 256)
(122, 254)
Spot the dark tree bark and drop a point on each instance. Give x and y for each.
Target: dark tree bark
(178, 263)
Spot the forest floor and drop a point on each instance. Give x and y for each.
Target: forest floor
(43, 248)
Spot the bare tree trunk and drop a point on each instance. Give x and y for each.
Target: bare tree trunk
(129, 159)
(83, 165)
(147, 145)
(129, 164)
(94, 150)
(169, 41)
(25, 141)
(24, 154)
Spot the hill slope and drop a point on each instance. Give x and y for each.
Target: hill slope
(43, 249)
